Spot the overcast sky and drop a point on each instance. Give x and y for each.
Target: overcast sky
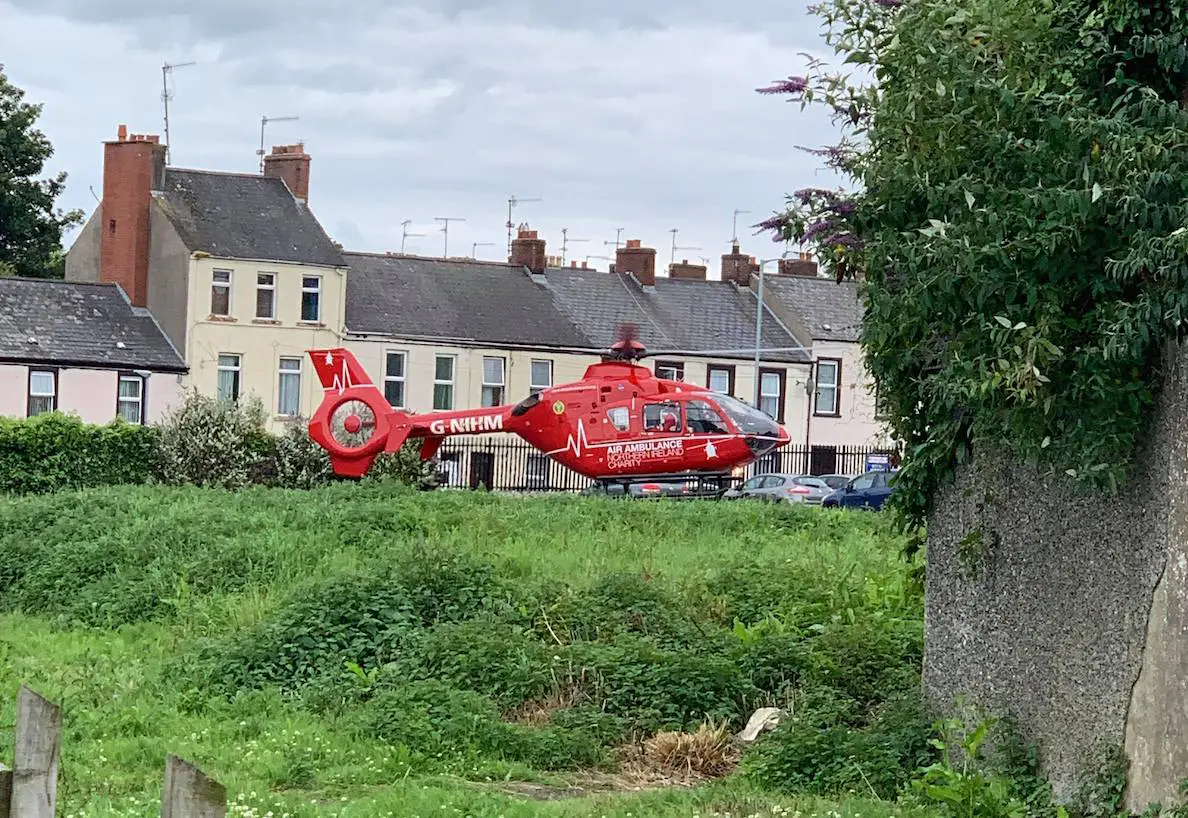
(617, 113)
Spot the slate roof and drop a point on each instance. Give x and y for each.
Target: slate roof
(484, 302)
(244, 216)
(674, 314)
(80, 324)
(831, 311)
(415, 297)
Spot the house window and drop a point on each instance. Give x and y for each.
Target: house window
(130, 398)
(670, 370)
(720, 379)
(771, 393)
(228, 388)
(288, 387)
(493, 371)
(536, 473)
(443, 382)
(43, 391)
(266, 295)
(220, 293)
(394, 379)
(828, 379)
(541, 376)
(311, 299)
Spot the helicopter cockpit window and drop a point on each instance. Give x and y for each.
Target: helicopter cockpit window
(662, 417)
(703, 419)
(619, 418)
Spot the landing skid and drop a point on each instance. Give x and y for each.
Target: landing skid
(712, 484)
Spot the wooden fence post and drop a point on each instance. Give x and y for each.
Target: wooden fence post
(35, 759)
(5, 792)
(190, 793)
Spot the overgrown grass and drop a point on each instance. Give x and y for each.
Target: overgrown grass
(366, 650)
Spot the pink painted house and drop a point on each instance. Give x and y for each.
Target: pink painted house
(84, 349)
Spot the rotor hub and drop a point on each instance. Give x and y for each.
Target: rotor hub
(352, 424)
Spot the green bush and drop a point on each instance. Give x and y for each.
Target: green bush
(208, 442)
(58, 452)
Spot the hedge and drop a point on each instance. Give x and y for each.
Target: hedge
(202, 442)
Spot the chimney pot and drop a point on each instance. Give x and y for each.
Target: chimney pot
(122, 133)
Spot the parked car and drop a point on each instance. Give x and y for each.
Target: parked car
(866, 491)
(784, 488)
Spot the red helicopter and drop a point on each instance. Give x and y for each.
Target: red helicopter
(618, 424)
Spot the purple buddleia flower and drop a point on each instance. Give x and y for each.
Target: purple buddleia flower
(778, 223)
(807, 195)
(889, 4)
(818, 228)
(844, 208)
(792, 85)
(844, 239)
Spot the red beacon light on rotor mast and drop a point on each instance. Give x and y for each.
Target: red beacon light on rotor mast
(619, 423)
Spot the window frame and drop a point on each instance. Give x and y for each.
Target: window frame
(54, 374)
(270, 288)
(497, 398)
(317, 292)
(710, 369)
(836, 386)
(127, 375)
(228, 286)
(782, 403)
(678, 367)
(237, 369)
(281, 372)
(661, 404)
(450, 384)
(402, 379)
(534, 387)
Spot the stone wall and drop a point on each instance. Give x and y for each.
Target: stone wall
(1068, 610)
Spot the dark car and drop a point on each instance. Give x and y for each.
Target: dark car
(866, 491)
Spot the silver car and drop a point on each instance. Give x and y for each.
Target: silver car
(782, 488)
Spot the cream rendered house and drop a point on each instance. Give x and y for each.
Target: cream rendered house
(234, 266)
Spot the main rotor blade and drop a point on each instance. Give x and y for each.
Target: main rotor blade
(738, 351)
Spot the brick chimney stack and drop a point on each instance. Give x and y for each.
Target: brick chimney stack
(738, 267)
(686, 271)
(802, 266)
(638, 260)
(133, 167)
(528, 250)
(290, 163)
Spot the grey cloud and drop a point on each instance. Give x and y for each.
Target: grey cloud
(615, 117)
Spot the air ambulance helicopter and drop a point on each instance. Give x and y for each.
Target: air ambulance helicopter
(619, 424)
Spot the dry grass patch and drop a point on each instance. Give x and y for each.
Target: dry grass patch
(708, 752)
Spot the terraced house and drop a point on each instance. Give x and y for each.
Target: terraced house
(83, 349)
(234, 266)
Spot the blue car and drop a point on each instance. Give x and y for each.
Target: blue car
(866, 491)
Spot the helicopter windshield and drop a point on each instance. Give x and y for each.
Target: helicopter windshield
(762, 432)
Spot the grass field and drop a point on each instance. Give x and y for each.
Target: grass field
(366, 651)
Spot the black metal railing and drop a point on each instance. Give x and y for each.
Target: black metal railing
(513, 465)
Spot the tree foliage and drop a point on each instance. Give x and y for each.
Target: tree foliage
(30, 226)
(1018, 224)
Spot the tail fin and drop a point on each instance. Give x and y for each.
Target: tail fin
(338, 369)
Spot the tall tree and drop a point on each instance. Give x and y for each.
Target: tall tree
(1018, 220)
(30, 226)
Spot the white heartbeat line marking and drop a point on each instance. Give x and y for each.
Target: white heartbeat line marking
(576, 445)
(342, 379)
